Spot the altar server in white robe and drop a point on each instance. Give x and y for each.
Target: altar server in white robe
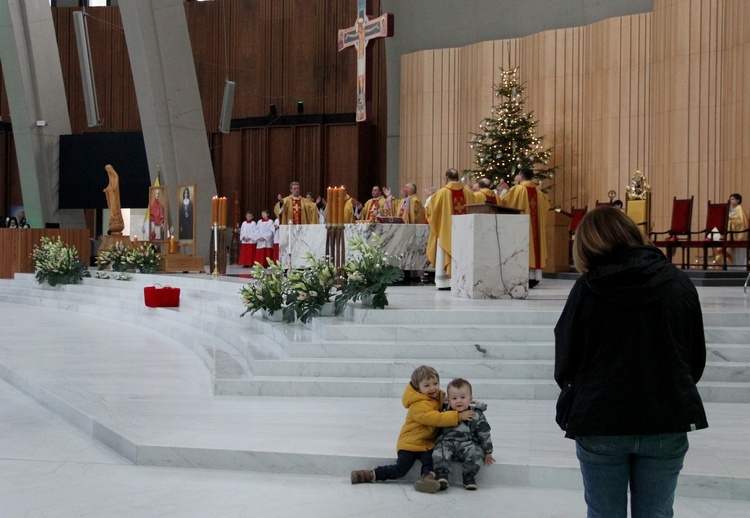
(264, 239)
(247, 241)
(276, 224)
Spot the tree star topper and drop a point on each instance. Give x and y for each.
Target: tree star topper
(358, 36)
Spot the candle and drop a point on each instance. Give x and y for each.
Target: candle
(342, 204)
(135, 240)
(216, 239)
(329, 215)
(223, 215)
(214, 209)
(171, 245)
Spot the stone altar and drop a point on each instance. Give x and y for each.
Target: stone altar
(405, 244)
(490, 256)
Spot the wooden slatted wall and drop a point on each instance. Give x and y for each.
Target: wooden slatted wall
(665, 92)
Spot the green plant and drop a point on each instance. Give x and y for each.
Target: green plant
(56, 263)
(266, 291)
(144, 259)
(309, 289)
(115, 258)
(367, 274)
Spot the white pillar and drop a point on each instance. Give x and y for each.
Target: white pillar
(169, 102)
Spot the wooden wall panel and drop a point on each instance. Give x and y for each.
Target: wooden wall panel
(16, 246)
(341, 157)
(666, 92)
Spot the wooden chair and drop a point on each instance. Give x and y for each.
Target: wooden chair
(576, 216)
(717, 217)
(679, 230)
(602, 203)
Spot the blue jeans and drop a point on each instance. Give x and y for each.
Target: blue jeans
(404, 461)
(649, 463)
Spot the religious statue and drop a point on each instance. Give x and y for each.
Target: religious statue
(112, 193)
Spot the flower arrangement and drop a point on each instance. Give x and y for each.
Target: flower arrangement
(56, 263)
(309, 289)
(115, 258)
(368, 274)
(266, 291)
(144, 259)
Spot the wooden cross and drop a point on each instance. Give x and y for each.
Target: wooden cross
(358, 36)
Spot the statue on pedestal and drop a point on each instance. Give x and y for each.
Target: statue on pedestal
(112, 192)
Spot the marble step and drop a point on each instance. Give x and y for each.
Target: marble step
(344, 368)
(415, 332)
(470, 369)
(476, 351)
(310, 386)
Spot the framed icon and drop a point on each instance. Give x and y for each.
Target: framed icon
(186, 205)
(158, 215)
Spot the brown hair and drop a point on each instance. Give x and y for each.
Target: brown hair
(421, 373)
(458, 383)
(603, 231)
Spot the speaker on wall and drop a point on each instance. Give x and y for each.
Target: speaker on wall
(225, 121)
(87, 72)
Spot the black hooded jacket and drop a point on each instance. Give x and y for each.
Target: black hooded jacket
(631, 340)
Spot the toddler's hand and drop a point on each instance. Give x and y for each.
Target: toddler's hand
(489, 460)
(466, 415)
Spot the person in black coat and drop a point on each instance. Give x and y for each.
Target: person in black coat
(629, 350)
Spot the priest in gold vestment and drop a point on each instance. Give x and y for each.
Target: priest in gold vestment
(485, 193)
(376, 206)
(296, 209)
(409, 208)
(738, 223)
(450, 200)
(529, 199)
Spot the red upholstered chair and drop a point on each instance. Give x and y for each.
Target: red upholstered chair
(576, 215)
(717, 217)
(679, 230)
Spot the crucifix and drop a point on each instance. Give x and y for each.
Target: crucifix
(358, 36)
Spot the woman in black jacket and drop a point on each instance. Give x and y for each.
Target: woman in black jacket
(630, 345)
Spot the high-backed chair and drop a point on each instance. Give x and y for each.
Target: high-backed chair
(679, 230)
(717, 216)
(602, 203)
(576, 215)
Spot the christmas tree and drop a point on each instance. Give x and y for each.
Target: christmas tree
(506, 142)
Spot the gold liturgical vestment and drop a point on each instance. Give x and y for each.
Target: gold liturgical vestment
(530, 199)
(484, 195)
(447, 201)
(368, 212)
(411, 211)
(299, 211)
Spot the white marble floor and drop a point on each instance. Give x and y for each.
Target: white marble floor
(159, 394)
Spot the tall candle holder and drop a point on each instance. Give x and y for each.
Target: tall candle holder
(215, 273)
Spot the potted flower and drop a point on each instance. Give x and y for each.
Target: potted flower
(114, 258)
(266, 292)
(309, 291)
(56, 263)
(144, 259)
(368, 275)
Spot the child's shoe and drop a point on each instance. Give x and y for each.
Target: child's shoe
(442, 478)
(469, 482)
(427, 484)
(363, 475)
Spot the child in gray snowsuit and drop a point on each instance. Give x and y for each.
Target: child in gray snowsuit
(468, 442)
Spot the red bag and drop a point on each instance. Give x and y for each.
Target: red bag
(158, 296)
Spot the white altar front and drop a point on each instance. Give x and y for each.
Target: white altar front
(490, 256)
(406, 245)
